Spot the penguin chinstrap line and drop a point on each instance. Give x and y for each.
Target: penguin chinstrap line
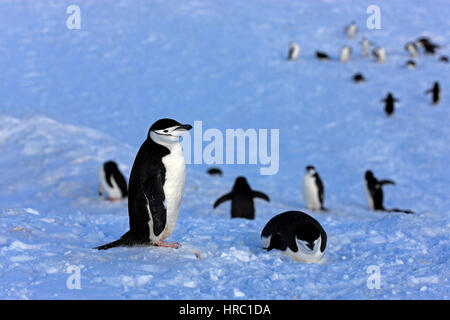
(112, 182)
(313, 190)
(241, 197)
(374, 193)
(296, 234)
(156, 187)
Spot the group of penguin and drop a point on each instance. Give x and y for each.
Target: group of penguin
(156, 187)
(379, 53)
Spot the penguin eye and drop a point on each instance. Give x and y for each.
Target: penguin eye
(165, 131)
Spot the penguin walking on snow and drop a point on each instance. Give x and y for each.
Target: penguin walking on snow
(156, 187)
(374, 193)
(389, 102)
(296, 234)
(436, 93)
(241, 197)
(294, 51)
(112, 182)
(313, 190)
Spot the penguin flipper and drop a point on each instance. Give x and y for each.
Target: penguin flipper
(386, 181)
(155, 199)
(259, 194)
(222, 199)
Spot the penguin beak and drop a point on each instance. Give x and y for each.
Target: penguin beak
(310, 245)
(184, 127)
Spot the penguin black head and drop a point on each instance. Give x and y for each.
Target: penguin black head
(167, 131)
(241, 185)
(311, 170)
(369, 175)
(109, 166)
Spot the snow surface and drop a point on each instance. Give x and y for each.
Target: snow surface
(71, 99)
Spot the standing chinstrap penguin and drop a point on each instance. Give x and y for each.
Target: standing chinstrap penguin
(241, 197)
(435, 93)
(374, 193)
(379, 54)
(112, 182)
(389, 104)
(351, 30)
(156, 187)
(345, 53)
(365, 46)
(296, 234)
(294, 51)
(313, 190)
(412, 49)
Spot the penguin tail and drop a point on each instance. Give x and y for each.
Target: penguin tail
(401, 210)
(127, 240)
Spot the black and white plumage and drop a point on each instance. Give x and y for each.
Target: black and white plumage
(379, 54)
(411, 64)
(443, 59)
(156, 187)
(374, 193)
(112, 182)
(412, 49)
(322, 56)
(389, 104)
(351, 30)
(241, 197)
(294, 51)
(296, 234)
(365, 47)
(313, 190)
(345, 54)
(435, 93)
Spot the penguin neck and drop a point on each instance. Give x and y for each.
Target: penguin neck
(164, 141)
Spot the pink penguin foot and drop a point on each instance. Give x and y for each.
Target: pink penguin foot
(162, 243)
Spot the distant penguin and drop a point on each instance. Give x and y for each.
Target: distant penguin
(428, 46)
(156, 187)
(374, 193)
(296, 234)
(379, 54)
(365, 47)
(411, 48)
(436, 93)
(443, 59)
(410, 64)
(351, 30)
(346, 51)
(294, 51)
(389, 102)
(358, 78)
(241, 199)
(313, 190)
(322, 56)
(112, 182)
(214, 172)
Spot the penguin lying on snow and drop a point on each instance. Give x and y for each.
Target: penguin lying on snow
(374, 193)
(427, 45)
(410, 64)
(358, 78)
(156, 187)
(313, 190)
(112, 182)
(443, 59)
(322, 56)
(436, 93)
(214, 172)
(296, 234)
(241, 199)
(389, 102)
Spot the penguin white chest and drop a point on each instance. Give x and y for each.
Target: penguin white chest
(369, 197)
(310, 193)
(113, 192)
(173, 186)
